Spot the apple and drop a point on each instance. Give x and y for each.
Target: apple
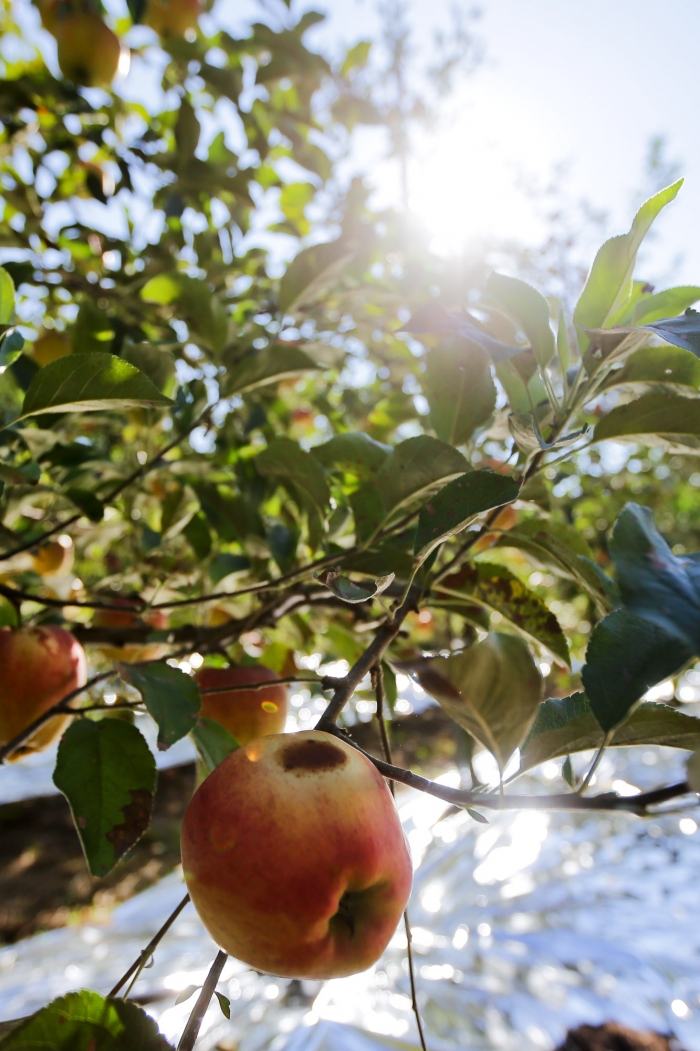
(55, 558)
(128, 617)
(246, 714)
(295, 858)
(40, 666)
(89, 53)
(172, 17)
(50, 346)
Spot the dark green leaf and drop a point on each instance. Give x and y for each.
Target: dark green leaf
(171, 697)
(157, 364)
(567, 725)
(82, 383)
(459, 389)
(529, 308)
(284, 460)
(93, 331)
(492, 690)
(659, 417)
(312, 273)
(680, 331)
(87, 502)
(414, 466)
(269, 365)
(283, 541)
(455, 506)
(87, 1021)
(224, 563)
(224, 1004)
(497, 589)
(368, 511)
(214, 742)
(108, 774)
(626, 656)
(354, 451)
(11, 348)
(27, 473)
(347, 591)
(609, 282)
(198, 535)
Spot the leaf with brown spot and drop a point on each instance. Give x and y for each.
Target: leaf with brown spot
(107, 773)
(498, 590)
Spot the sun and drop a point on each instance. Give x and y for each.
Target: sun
(466, 179)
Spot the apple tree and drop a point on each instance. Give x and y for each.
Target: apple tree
(250, 426)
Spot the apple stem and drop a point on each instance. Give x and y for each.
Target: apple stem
(191, 1031)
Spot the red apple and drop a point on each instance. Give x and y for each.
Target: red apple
(246, 714)
(128, 617)
(295, 858)
(40, 666)
(172, 17)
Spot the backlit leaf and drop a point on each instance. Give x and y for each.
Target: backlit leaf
(348, 591)
(312, 273)
(459, 389)
(108, 774)
(653, 367)
(354, 451)
(529, 308)
(414, 466)
(455, 506)
(269, 365)
(214, 742)
(284, 460)
(7, 297)
(657, 417)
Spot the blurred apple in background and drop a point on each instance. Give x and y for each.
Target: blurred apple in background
(172, 17)
(50, 346)
(129, 617)
(89, 53)
(38, 667)
(55, 558)
(295, 858)
(246, 714)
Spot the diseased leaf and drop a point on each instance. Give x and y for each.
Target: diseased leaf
(354, 451)
(658, 417)
(609, 282)
(270, 365)
(312, 273)
(107, 773)
(347, 591)
(284, 460)
(492, 690)
(498, 590)
(566, 725)
(626, 656)
(87, 1021)
(90, 383)
(529, 308)
(214, 742)
(455, 506)
(171, 697)
(459, 389)
(415, 466)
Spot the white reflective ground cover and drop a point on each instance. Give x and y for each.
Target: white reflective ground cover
(522, 928)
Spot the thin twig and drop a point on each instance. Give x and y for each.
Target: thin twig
(412, 978)
(146, 953)
(594, 765)
(191, 1032)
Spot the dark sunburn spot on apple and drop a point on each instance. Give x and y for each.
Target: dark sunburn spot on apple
(311, 756)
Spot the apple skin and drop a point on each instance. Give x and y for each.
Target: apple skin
(277, 836)
(88, 51)
(40, 666)
(54, 559)
(172, 17)
(131, 653)
(50, 346)
(247, 714)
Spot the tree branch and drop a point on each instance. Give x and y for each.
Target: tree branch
(191, 1032)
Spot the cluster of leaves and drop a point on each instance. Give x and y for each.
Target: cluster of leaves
(272, 461)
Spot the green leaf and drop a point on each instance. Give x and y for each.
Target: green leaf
(680, 331)
(312, 273)
(11, 347)
(223, 564)
(368, 511)
(609, 283)
(654, 583)
(459, 389)
(283, 541)
(27, 473)
(284, 460)
(492, 690)
(195, 303)
(157, 364)
(528, 437)
(566, 725)
(90, 383)
(455, 506)
(108, 775)
(347, 591)
(529, 308)
(7, 297)
(665, 418)
(269, 365)
(86, 1021)
(354, 451)
(626, 656)
(667, 304)
(171, 697)
(414, 466)
(87, 502)
(652, 368)
(356, 57)
(198, 535)
(214, 742)
(224, 1004)
(497, 589)
(93, 331)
